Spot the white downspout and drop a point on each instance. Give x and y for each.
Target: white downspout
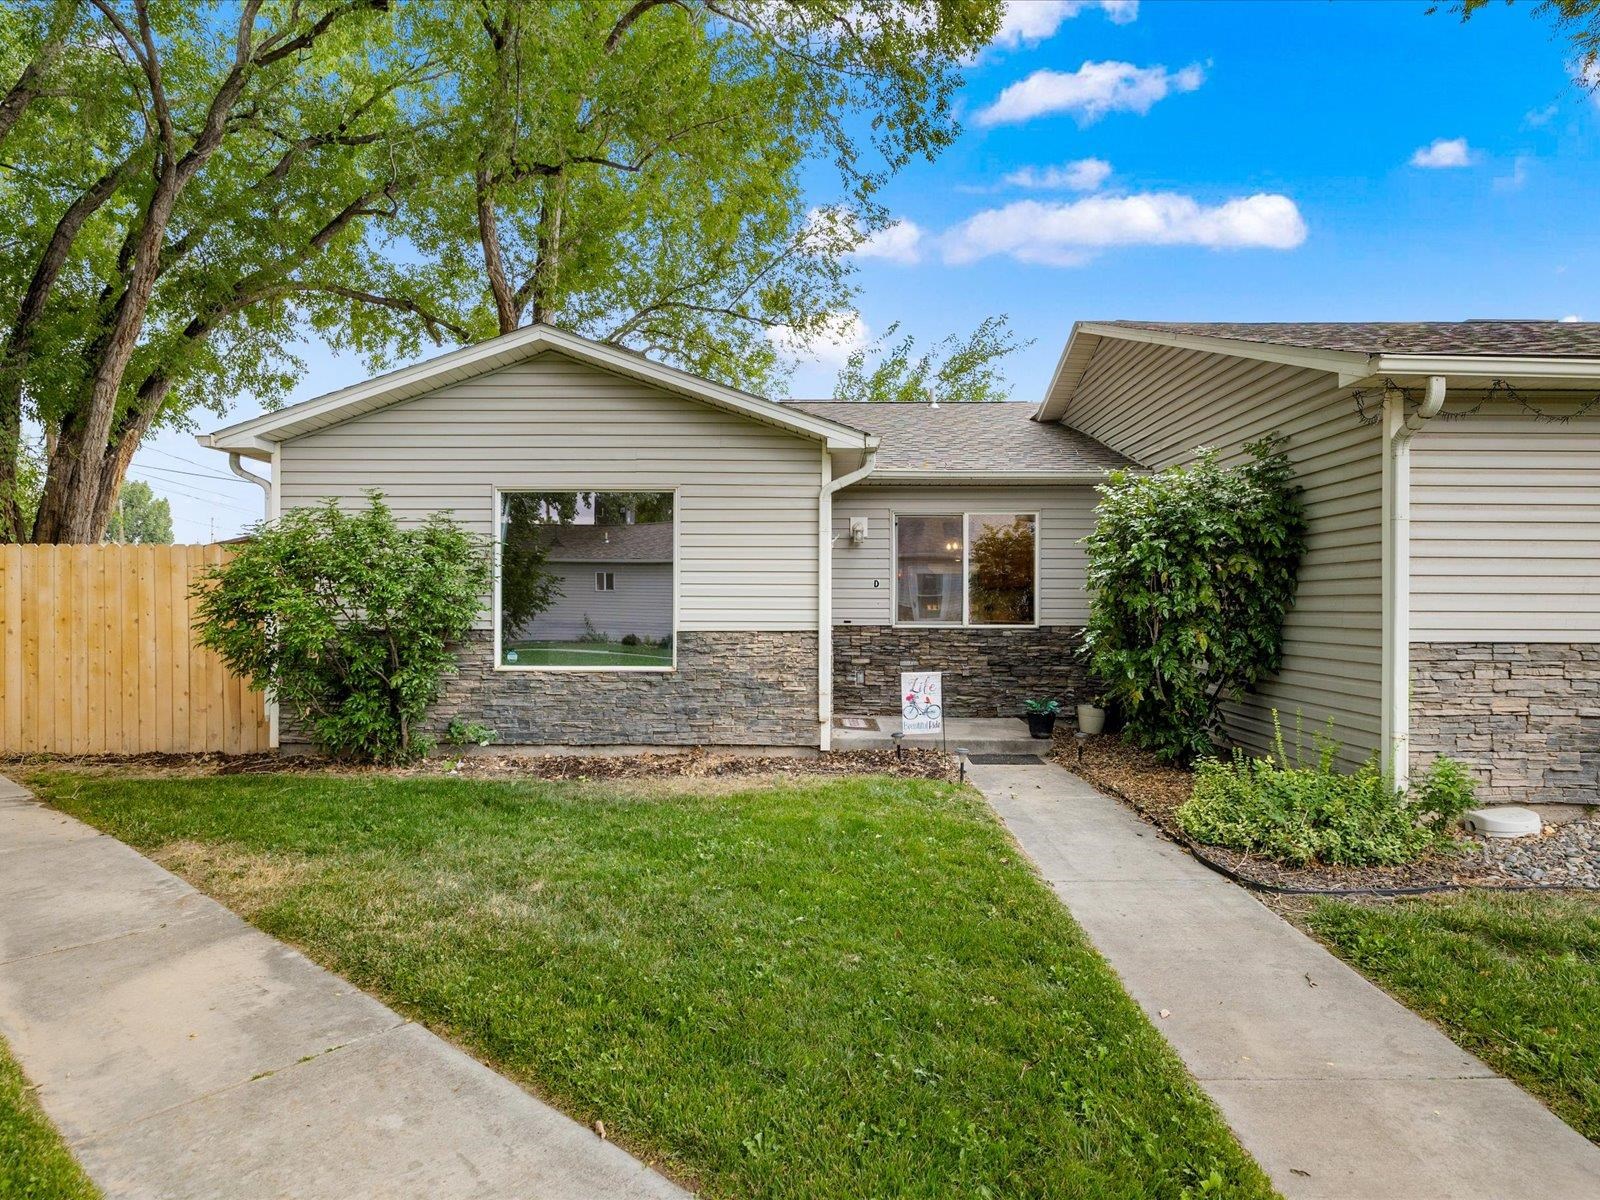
(1399, 428)
(825, 587)
(260, 481)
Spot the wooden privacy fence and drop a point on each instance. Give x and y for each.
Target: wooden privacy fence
(97, 655)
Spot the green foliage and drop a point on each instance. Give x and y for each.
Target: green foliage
(140, 517)
(468, 733)
(1052, 707)
(1302, 812)
(954, 370)
(345, 620)
(646, 174)
(1192, 570)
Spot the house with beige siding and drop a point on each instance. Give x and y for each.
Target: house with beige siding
(720, 569)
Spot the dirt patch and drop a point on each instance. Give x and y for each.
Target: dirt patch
(246, 883)
(914, 763)
(1157, 790)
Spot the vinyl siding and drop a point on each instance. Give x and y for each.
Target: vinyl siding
(640, 603)
(1505, 526)
(747, 500)
(863, 576)
(1156, 404)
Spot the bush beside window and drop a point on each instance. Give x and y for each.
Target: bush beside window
(345, 618)
(1192, 571)
(1300, 813)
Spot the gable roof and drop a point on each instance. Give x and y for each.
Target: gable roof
(956, 441)
(647, 542)
(255, 438)
(1469, 353)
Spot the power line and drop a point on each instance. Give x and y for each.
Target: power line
(193, 462)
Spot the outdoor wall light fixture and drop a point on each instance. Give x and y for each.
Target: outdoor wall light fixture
(858, 530)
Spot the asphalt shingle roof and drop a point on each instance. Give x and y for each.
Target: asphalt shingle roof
(1553, 339)
(647, 542)
(968, 437)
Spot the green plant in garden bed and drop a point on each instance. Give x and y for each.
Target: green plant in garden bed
(1299, 813)
(1514, 978)
(34, 1162)
(346, 619)
(1192, 570)
(843, 988)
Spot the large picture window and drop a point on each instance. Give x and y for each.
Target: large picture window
(585, 580)
(966, 569)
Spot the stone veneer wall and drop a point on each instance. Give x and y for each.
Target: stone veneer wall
(1524, 715)
(987, 672)
(741, 688)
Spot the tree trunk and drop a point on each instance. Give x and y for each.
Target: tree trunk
(505, 303)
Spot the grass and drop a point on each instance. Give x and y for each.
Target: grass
(1514, 978)
(590, 654)
(34, 1162)
(845, 988)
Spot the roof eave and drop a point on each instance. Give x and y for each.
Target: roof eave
(936, 475)
(1480, 370)
(322, 411)
(1349, 366)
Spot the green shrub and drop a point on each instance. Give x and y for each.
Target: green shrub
(1192, 570)
(1300, 813)
(468, 733)
(344, 619)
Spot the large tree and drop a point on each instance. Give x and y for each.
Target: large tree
(637, 172)
(185, 189)
(952, 370)
(188, 189)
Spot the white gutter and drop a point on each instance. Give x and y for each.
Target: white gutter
(1399, 428)
(825, 587)
(260, 481)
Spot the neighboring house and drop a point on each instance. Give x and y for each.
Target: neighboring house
(612, 580)
(816, 550)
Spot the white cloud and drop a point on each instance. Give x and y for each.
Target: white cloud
(1069, 233)
(900, 242)
(1443, 152)
(1090, 92)
(1540, 116)
(1587, 76)
(1083, 175)
(827, 347)
(1029, 22)
(1573, 319)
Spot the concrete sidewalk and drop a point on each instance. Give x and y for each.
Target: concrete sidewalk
(184, 1053)
(1334, 1087)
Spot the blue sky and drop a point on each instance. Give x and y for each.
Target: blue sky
(1198, 161)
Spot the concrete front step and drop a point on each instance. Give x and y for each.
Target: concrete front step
(976, 735)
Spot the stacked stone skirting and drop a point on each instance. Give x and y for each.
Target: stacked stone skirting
(1524, 715)
(987, 672)
(735, 688)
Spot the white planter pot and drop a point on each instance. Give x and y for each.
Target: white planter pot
(1091, 718)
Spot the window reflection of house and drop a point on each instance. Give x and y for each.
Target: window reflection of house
(614, 580)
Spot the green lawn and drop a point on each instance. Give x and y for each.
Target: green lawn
(841, 988)
(588, 654)
(34, 1163)
(1514, 978)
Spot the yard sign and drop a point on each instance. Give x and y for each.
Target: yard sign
(921, 702)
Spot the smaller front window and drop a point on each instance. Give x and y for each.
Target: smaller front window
(966, 569)
(605, 581)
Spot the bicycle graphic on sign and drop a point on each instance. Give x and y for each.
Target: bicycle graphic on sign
(921, 702)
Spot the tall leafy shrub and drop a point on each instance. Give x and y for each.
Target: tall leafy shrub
(345, 619)
(1192, 570)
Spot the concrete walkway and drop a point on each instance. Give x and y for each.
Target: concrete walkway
(184, 1053)
(1336, 1089)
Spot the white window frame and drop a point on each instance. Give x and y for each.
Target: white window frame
(606, 581)
(494, 607)
(966, 567)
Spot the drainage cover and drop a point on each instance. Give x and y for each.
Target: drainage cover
(1001, 760)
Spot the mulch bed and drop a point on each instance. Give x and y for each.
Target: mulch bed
(1156, 790)
(690, 764)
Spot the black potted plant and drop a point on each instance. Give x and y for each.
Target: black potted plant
(1042, 717)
